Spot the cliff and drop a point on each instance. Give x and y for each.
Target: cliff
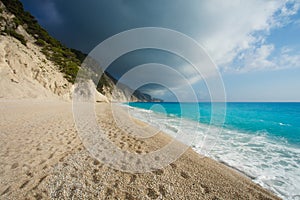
(116, 91)
(35, 65)
(24, 70)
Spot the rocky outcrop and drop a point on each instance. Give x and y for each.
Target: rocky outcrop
(116, 91)
(25, 72)
(120, 94)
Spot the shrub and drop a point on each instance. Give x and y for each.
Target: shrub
(40, 42)
(17, 21)
(70, 70)
(16, 35)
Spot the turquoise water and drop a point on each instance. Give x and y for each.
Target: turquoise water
(276, 119)
(260, 139)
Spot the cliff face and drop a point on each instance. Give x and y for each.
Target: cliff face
(35, 65)
(24, 70)
(120, 92)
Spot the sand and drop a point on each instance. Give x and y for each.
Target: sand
(42, 157)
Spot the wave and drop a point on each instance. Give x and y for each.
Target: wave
(271, 162)
(283, 124)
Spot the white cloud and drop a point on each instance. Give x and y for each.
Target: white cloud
(285, 50)
(288, 60)
(257, 58)
(190, 73)
(260, 58)
(238, 31)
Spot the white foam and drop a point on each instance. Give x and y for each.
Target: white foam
(283, 124)
(274, 164)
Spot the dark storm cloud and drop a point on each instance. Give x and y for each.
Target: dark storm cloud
(84, 24)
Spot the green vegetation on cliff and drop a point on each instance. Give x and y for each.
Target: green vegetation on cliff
(68, 60)
(16, 35)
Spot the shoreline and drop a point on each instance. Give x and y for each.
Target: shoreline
(259, 155)
(220, 161)
(242, 173)
(42, 156)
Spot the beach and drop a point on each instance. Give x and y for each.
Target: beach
(42, 157)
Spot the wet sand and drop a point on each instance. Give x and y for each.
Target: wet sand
(42, 157)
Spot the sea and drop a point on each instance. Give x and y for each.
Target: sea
(261, 140)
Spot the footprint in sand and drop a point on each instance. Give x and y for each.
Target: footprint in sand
(158, 172)
(173, 165)
(109, 192)
(96, 162)
(5, 191)
(29, 174)
(184, 175)
(162, 190)
(51, 156)
(132, 178)
(152, 193)
(138, 151)
(24, 184)
(14, 166)
(129, 196)
(95, 179)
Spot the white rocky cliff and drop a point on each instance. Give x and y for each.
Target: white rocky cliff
(24, 70)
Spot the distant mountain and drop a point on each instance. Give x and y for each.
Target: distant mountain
(34, 64)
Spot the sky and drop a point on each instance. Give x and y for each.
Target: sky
(254, 44)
